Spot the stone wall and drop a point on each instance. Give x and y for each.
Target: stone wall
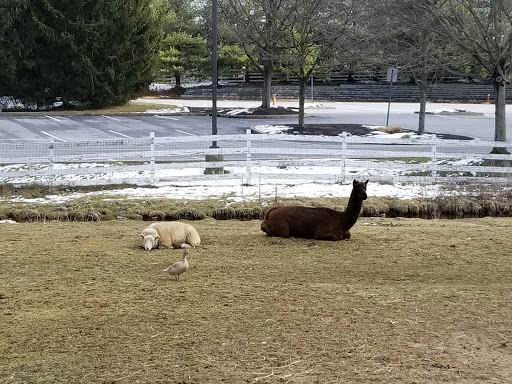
(374, 92)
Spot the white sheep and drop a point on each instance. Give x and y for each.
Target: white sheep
(8, 221)
(169, 234)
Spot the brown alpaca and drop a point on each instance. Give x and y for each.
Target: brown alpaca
(315, 223)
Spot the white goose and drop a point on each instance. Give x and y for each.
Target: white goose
(179, 267)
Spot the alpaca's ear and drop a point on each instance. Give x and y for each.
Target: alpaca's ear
(366, 182)
(141, 235)
(354, 183)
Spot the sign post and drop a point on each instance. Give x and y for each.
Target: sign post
(392, 77)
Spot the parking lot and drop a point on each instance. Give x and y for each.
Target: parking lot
(101, 127)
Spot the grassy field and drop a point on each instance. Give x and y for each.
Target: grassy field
(403, 301)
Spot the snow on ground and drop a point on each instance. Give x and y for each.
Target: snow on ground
(232, 191)
(178, 109)
(190, 183)
(277, 129)
(235, 190)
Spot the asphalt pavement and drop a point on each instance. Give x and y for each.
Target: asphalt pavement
(479, 123)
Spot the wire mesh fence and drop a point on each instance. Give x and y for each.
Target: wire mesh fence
(249, 157)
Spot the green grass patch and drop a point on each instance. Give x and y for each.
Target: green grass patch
(408, 160)
(406, 300)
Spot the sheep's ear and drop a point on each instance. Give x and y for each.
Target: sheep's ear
(157, 237)
(141, 235)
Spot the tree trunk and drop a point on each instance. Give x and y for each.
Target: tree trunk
(423, 104)
(267, 83)
(302, 90)
(500, 122)
(177, 77)
(423, 84)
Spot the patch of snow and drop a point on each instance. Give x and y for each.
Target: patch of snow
(317, 106)
(195, 187)
(161, 87)
(235, 112)
(169, 86)
(179, 108)
(449, 110)
(271, 129)
(401, 135)
(232, 191)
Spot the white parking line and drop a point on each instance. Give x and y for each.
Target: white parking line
(186, 133)
(111, 118)
(120, 134)
(52, 118)
(54, 137)
(166, 117)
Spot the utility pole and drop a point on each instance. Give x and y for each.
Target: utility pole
(214, 71)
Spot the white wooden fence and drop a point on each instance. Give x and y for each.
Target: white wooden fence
(251, 159)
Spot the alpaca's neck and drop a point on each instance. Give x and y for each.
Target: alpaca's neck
(351, 213)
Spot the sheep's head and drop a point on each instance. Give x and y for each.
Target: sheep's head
(149, 241)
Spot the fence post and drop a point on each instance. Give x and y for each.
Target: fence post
(51, 153)
(248, 156)
(152, 159)
(343, 159)
(434, 158)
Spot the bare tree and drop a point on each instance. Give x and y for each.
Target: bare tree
(259, 26)
(482, 28)
(311, 36)
(409, 34)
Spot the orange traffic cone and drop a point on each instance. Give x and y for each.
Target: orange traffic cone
(488, 99)
(273, 100)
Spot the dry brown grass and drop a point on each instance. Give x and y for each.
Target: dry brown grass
(130, 107)
(392, 129)
(403, 301)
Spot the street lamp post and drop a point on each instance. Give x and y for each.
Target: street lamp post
(214, 71)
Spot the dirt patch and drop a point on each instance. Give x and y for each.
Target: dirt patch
(260, 111)
(403, 301)
(355, 130)
(325, 129)
(330, 129)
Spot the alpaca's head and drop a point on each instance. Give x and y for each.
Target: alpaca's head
(149, 241)
(359, 190)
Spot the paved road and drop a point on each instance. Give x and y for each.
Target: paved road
(375, 113)
(65, 128)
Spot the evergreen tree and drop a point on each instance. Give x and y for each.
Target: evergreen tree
(9, 10)
(92, 54)
(183, 49)
(182, 53)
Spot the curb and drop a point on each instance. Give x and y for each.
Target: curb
(453, 113)
(259, 116)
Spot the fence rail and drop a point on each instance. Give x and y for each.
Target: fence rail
(253, 158)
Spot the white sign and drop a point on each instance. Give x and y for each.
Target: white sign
(392, 75)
